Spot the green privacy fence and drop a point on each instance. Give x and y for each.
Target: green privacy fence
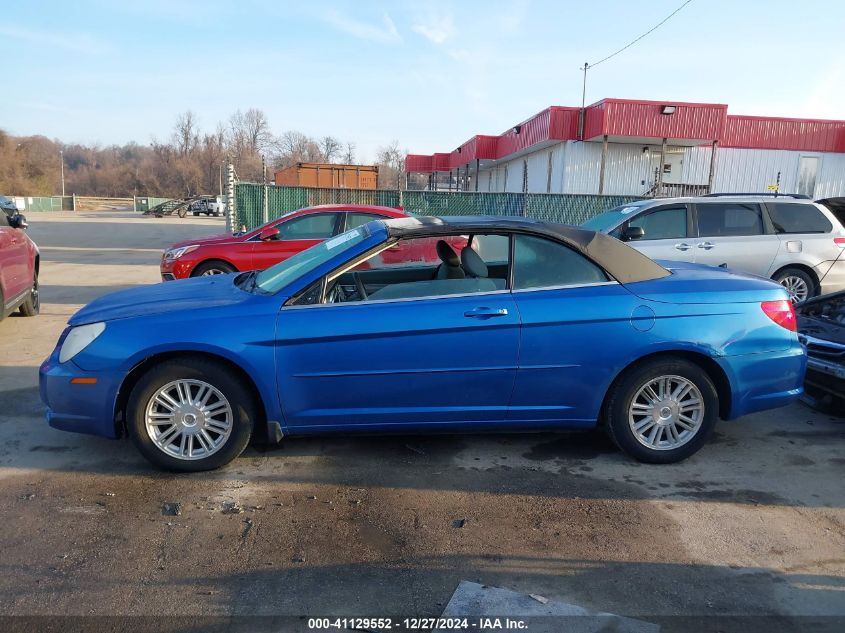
(552, 207)
(563, 208)
(29, 204)
(249, 200)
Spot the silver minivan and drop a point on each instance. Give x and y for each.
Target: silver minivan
(790, 239)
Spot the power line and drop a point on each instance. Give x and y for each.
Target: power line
(630, 44)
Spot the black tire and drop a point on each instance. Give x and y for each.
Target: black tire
(32, 304)
(196, 213)
(206, 268)
(797, 274)
(626, 387)
(243, 405)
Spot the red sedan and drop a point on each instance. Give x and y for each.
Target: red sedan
(268, 244)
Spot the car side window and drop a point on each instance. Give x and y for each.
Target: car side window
(314, 226)
(725, 219)
(354, 220)
(663, 224)
(539, 263)
(798, 218)
(419, 268)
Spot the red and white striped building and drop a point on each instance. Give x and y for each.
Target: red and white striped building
(629, 147)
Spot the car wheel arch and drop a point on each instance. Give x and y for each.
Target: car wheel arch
(713, 370)
(139, 369)
(212, 260)
(802, 267)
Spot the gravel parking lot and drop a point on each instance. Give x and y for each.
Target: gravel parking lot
(754, 524)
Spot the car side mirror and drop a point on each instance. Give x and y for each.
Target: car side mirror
(18, 221)
(270, 233)
(633, 233)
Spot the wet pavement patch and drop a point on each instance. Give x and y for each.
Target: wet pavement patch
(578, 446)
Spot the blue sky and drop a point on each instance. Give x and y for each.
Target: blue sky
(428, 74)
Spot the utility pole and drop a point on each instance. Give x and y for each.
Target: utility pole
(583, 114)
(62, 160)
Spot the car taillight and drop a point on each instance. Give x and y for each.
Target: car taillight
(781, 312)
(839, 241)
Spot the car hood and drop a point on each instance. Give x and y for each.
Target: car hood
(185, 294)
(698, 283)
(223, 238)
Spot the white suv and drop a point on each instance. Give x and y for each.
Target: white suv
(790, 239)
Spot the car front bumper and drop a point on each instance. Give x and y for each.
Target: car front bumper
(86, 407)
(172, 269)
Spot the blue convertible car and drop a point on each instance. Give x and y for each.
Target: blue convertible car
(514, 324)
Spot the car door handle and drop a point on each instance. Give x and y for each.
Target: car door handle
(683, 246)
(486, 313)
(706, 245)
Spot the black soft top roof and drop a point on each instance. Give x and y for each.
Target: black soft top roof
(622, 262)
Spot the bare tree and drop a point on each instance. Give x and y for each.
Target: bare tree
(185, 132)
(391, 162)
(291, 148)
(189, 162)
(256, 130)
(349, 153)
(330, 148)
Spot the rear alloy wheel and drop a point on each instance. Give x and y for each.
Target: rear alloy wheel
(213, 268)
(662, 411)
(32, 304)
(798, 284)
(190, 415)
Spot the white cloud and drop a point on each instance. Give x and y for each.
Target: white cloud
(384, 34)
(437, 29)
(77, 43)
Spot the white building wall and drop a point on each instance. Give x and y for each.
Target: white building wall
(752, 170)
(831, 178)
(629, 170)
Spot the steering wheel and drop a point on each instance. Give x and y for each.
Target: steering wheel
(337, 295)
(359, 286)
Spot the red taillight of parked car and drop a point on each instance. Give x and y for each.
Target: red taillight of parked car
(839, 241)
(781, 312)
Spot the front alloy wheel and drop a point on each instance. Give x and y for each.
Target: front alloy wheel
(189, 419)
(191, 415)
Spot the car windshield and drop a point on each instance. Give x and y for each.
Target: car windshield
(277, 277)
(608, 219)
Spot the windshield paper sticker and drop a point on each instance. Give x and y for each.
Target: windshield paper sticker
(343, 237)
(628, 210)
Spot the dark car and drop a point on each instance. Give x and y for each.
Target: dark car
(19, 259)
(821, 328)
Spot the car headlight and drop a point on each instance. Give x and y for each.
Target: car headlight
(79, 338)
(176, 253)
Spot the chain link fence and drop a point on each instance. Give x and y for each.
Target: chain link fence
(562, 208)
